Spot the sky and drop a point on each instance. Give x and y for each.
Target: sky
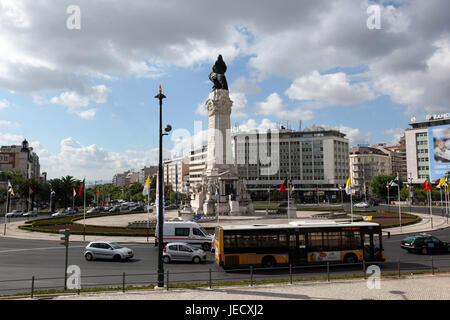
(79, 83)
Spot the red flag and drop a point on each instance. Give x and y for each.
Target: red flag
(168, 191)
(426, 185)
(284, 185)
(98, 192)
(80, 191)
(31, 191)
(437, 181)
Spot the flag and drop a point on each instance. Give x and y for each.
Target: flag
(367, 218)
(74, 192)
(284, 185)
(394, 183)
(10, 189)
(80, 191)
(146, 190)
(437, 182)
(443, 182)
(426, 185)
(348, 186)
(98, 191)
(31, 190)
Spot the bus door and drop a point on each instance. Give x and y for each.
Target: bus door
(371, 244)
(297, 248)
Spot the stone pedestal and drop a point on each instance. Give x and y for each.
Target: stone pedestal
(234, 208)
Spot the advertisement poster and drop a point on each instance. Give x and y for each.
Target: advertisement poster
(325, 256)
(439, 151)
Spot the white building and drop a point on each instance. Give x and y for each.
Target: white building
(174, 171)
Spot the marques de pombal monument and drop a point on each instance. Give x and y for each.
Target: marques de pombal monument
(221, 192)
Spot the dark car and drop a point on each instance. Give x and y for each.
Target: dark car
(282, 208)
(137, 209)
(115, 209)
(424, 243)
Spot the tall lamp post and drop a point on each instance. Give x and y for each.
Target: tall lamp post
(168, 128)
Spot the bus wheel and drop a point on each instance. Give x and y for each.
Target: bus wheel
(206, 246)
(268, 262)
(350, 258)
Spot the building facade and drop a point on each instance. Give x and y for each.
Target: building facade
(197, 164)
(119, 179)
(365, 164)
(316, 162)
(147, 172)
(174, 171)
(418, 158)
(21, 159)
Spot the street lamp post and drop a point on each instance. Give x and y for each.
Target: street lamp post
(168, 128)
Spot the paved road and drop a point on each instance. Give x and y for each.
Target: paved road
(21, 259)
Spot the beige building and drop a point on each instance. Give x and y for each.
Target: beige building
(174, 171)
(21, 159)
(365, 164)
(197, 164)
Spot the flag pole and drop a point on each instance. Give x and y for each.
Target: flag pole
(6, 209)
(431, 209)
(399, 206)
(351, 204)
(84, 206)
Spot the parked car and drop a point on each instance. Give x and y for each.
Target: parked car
(137, 209)
(14, 214)
(94, 210)
(172, 206)
(180, 251)
(374, 202)
(107, 250)
(114, 209)
(424, 243)
(361, 205)
(30, 214)
(282, 208)
(60, 213)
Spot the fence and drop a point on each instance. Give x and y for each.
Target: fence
(209, 278)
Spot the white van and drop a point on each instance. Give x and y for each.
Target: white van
(185, 231)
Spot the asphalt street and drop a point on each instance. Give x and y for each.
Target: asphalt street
(22, 259)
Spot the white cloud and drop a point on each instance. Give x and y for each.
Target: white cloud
(273, 106)
(396, 134)
(253, 125)
(88, 114)
(354, 135)
(5, 123)
(4, 104)
(333, 89)
(8, 139)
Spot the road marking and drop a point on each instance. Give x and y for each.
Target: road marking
(32, 249)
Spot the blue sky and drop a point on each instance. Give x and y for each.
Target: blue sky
(85, 98)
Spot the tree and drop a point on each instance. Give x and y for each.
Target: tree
(378, 186)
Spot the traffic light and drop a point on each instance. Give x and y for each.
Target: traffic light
(65, 238)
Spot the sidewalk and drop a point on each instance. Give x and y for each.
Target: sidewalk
(12, 230)
(424, 287)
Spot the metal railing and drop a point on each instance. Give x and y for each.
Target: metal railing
(209, 278)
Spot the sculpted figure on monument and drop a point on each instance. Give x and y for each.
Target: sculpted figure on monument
(217, 76)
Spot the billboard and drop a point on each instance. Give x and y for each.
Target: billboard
(439, 151)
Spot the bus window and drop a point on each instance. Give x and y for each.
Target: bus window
(283, 240)
(182, 232)
(229, 241)
(376, 244)
(351, 240)
(315, 241)
(331, 241)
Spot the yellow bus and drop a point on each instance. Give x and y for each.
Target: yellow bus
(298, 243)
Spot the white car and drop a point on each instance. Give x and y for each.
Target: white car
(107, 250)
(30, 214)
(14, 213)
(361, 205)
(60, 214)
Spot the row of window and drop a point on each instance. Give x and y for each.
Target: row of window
(313, 241)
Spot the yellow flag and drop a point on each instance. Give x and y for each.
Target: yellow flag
(442, 182)
(74, 192)
(348, 186)
(146, 190)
